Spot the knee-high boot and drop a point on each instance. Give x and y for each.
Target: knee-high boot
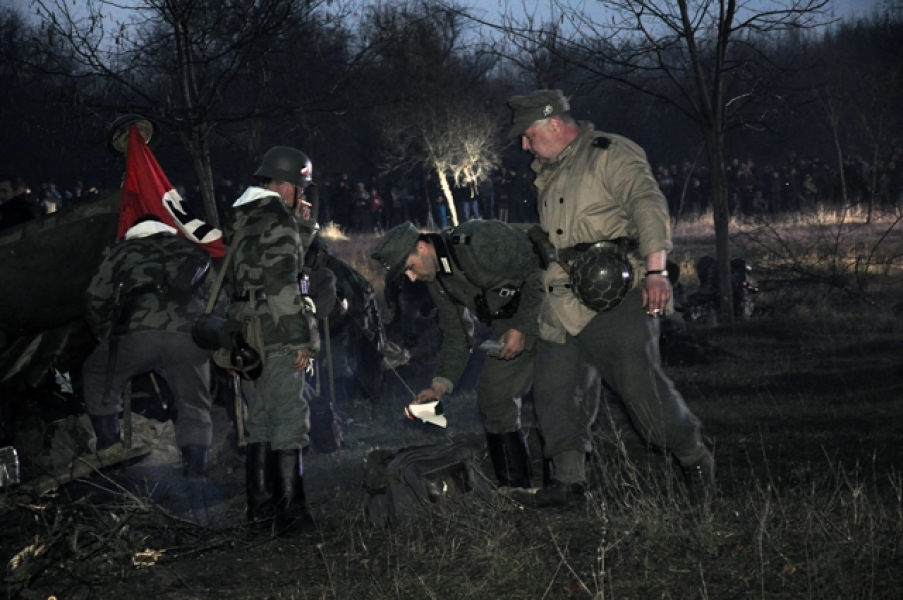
(288, 494)
(510, 457)
(259, 482)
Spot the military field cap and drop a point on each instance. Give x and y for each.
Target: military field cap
(395, 247)
(535, 106)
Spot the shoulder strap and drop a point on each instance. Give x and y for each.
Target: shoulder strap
(214, 291)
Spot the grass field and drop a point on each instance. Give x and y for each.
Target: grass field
(802, 408)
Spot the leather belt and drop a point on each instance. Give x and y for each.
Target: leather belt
(259, 296)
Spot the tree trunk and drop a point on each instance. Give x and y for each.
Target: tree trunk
(452, 211)
(722, 218)
(200, 157)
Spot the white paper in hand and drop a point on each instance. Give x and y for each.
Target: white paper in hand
(428, 412)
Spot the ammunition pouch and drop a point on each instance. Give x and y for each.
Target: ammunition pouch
(506, 311)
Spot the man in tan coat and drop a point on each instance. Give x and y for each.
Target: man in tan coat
(596, 187)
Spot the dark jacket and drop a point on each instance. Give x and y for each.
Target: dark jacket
(483, 259)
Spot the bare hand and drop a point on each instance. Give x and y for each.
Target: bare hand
(430, 394)
(302, 360)
(302, 210)
(515, 342)
(656, 293)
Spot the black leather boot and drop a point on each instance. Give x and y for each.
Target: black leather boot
(290, 502)
(260, 484)
(546, 463)
(701, 481)
(106, 429)
(194, 462)
(559, 494)
(510, 457)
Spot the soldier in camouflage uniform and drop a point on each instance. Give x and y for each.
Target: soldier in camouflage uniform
(485, 268)
(143, 299)
(267, 262)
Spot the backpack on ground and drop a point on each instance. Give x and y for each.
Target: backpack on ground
(417, 480)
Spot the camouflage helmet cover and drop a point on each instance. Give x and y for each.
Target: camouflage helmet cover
(601, 277)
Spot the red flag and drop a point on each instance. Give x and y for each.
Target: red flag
(147, 191)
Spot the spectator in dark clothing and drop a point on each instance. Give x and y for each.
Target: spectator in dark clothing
(400, 198)
(342, 202)
(324, 203)
(486, 198)
(16, 205)
(436, 197)
(361, 218)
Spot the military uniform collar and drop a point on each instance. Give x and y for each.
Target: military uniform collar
(443, 256)
(147, 229)
(586, 131)
(254, 193)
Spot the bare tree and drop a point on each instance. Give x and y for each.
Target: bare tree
(185, 63)
(460, 145)
(859, 88)
(439, 119)
(703, 57)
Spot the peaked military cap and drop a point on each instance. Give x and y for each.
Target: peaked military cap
(535, 106)
(395, 247)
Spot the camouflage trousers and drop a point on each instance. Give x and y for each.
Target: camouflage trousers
(172, 355)
(621, 347)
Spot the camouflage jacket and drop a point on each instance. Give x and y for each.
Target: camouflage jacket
(491, 255)
(150, 254)
(267, 261)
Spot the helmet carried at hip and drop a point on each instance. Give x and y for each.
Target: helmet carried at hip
(601, 276)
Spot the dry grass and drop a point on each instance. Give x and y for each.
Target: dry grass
(802, 410)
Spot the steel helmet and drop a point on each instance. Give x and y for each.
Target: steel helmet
(118, 133)
(601, 277)
(286, 164)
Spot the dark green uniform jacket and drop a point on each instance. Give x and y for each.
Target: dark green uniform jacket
(491, 257)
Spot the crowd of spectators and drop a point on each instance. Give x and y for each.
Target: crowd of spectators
(20, 203)
(374, 204)
(794, 185)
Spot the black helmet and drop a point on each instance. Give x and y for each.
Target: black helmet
(118, 133)
(601, 277)
(286, 164)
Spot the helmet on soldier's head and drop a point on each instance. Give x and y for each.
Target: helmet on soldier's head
(286, 164)
(601, 278)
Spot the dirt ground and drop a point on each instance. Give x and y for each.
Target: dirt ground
(789, 405)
